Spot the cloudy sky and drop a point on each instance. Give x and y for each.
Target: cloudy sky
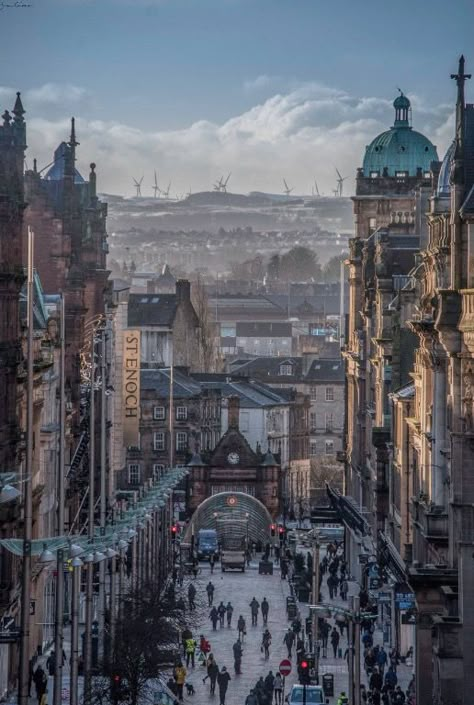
(264, 89)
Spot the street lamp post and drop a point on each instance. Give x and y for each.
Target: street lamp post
(76, 593)
(314, 615)
(90, 566)
(24, 668)
(59, 616)
(103, 498)
(357, 650)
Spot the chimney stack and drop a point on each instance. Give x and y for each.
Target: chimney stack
(233, 412)
(183, 291)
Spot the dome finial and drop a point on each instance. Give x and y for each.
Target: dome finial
(402, 108)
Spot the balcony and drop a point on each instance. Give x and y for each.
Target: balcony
(432, 520)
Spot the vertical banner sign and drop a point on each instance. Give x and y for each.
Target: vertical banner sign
(131, 387)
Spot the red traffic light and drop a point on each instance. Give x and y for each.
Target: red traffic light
(116, 679)
(304, 664)
(281, 529)
(174, 529)
(272, 529)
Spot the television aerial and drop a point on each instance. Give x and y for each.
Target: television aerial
(138, 186)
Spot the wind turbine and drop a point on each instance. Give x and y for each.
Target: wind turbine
(287, 190)
(316, 188)
(167, 192)
(138, 185)
(340, 182)
(219, 184)
(224, 183)
(156, 188)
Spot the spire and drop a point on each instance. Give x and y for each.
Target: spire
(460, 77)
(18, 110)
(457, 170)
(72, 139)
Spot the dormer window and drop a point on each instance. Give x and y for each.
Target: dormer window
(286, 369)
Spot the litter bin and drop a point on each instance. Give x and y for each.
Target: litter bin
(328, 684)
(303, 594)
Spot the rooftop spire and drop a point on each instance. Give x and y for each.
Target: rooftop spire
(18, 110)
(460, 77)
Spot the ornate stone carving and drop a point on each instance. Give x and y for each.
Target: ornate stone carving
(468, 398)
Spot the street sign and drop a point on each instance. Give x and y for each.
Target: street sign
(404, 597)
(384, 597)
(285, 667)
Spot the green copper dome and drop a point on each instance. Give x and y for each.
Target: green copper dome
(400, 150)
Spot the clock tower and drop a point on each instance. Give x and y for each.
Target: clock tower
(233, 466)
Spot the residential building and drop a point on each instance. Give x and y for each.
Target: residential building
(168, 327)
(195, 425)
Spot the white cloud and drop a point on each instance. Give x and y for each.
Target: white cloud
(55, 93)
(300, 134)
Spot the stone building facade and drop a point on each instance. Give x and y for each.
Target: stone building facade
(409, 451)
(233, 466)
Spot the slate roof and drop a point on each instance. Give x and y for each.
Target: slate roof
(269, 367)
(158, 380)
(326, 371)
(151, 309)
(251, 394)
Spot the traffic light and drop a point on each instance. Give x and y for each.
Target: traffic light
(116, 688)
(272, 529)
(304, 672)
(174, 532)
(281, 533)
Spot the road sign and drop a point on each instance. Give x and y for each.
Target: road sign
(285, 667)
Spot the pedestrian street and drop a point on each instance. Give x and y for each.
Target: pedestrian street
(240, 588)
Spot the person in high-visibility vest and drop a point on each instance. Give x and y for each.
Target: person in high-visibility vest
(342, 699)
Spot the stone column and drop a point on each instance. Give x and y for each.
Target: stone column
(438, 472)
(423, 660)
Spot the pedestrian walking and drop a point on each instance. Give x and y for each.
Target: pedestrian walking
(398, 697)
(237, 651)
(382, 660)
(265, 606)
(335, 641)
(214, 617)
(241, 626)
(341, 623)
(324, 630)
(204, 647)
(266, 641)
(191, 597)
(344, 589)
(180, 678)
(185, 635)
(229, 610)
(223, 679)
(342, 699)
(221, 610)
(212, 562)
(376, 680)
(391, 678)
(248, 558)
(40, 680)
(190, 651)
(269, 685)
(288, 640)
(278, 689)
(251, 698)
(210, 593)
(212, 671)
(254, 605)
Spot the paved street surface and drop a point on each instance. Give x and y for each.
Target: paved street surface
(239, 588)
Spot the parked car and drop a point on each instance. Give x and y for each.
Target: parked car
(331, 533)
(313, 696)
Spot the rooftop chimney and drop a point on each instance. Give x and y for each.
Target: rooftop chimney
(183, 290)
(233, 412)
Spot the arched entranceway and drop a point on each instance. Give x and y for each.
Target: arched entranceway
(226, 511)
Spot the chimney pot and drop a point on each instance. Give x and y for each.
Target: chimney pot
(233, 412)
(183, 290)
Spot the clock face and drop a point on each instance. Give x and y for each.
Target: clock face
(233, 458)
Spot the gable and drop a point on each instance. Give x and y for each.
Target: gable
(234, 442)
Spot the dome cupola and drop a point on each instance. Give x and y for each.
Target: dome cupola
(400, 151)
